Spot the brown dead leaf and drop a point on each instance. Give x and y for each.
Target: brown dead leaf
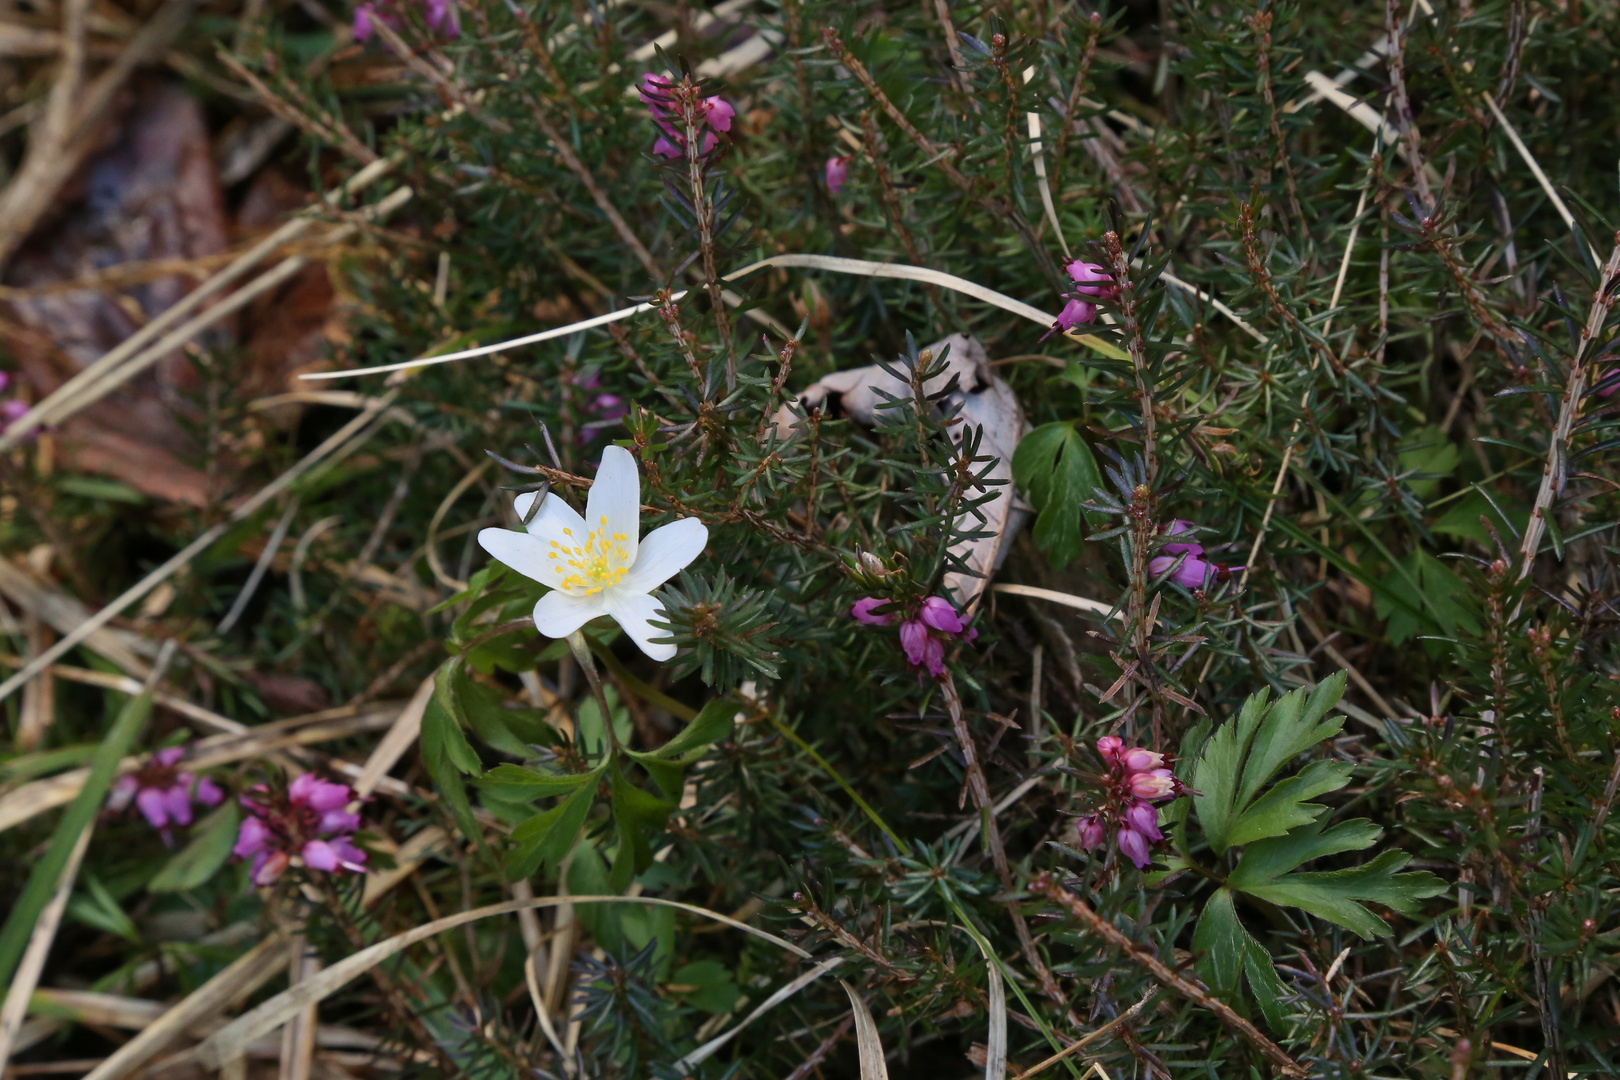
(149, 194)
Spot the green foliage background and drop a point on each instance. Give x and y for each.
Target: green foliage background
(1363, 420)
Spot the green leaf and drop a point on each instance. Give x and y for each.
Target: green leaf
(639, 816)
(1224, 950)
(705, 985)
(1218, 944)
(1430, 457)
(1442, 594)
(1270, 859)
(211, 844)
(588, 732)
(1241, 756)
(79, 816)
(453, 693)
(96, 907)
(1334, 895)
(1267, 987)
(1293, 726)
(508, 781)
(1055, 467)
(546, 838)
(712, 723)
(437, 730)
(1284, 806)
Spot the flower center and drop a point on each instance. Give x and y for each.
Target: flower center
(592, 564)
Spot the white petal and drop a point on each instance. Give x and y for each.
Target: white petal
(616, 495)
(665, 552)
(631, 610)
(524, 553)
(554, 516)
(558, 614)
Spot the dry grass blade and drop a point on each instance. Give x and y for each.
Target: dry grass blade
(193, 549)
(870, 1047)
(63, 613)
(1079, 603)
(1092, 1036)
(707, 1050)
(399, 739)
(856, 267)
(246, 974)
(995, 1050)
(46, 794)
(231, 1041)
(1535, 167)
(15, 1009)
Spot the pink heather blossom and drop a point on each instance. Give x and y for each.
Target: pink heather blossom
(939, 614)
(1134, 846)
(1091, 832)
(1143, 818)
(837, 173)
(1076, 313)
(864, 609)
(11, 410)
(923, 633)
(1607, 391)
(1139, 759)
(658, 94)
(1136, 779)
(310, 821)
(1195, 571)
(604, 410)
(440, 16)
(1090, 278)
(718, 113)
(1153, 785)
(162, 792)
(1190, 546)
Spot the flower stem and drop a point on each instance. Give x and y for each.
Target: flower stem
(587, 664)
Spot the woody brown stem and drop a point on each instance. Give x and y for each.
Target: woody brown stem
(1047, 886)
(980, 790)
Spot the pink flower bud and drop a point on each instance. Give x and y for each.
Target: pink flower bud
(1143, 819)
(1090, 832)
(1154, 785)
(1606, 391)
(1190, 546)
(719, 113)
(154, 806)
(837, 173)
(863, 612)
(914, 640)
(1076, 313)
(1138, 759)
(1109, 747)
(940, 615)
(1092, 279)
(1193, 573)
(1134, 846)
(251, 838)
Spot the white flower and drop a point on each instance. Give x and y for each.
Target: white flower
(596, 565)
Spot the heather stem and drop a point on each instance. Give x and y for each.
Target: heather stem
(691, 103)
(1120, 263)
